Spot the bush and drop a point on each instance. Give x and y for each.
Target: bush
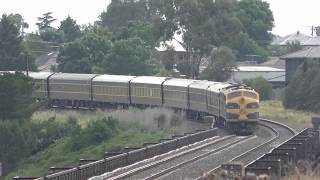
(96, 132)
(18, 140)
(262, 86)
(302, 93)
(50, 131)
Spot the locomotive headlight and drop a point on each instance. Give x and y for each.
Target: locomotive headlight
(253, 105)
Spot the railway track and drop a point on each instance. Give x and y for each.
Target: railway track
(282, 134)
(206, 156)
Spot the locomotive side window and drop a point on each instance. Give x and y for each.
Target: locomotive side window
(250, 94)
(234, 94)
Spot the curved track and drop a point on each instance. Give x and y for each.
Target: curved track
(207, 156)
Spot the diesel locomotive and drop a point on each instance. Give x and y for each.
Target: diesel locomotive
(234, 106)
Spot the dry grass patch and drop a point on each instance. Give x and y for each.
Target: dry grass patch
(274, 110)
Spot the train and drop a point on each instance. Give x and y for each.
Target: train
(233, 106)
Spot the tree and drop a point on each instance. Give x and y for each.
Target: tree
(15, 95)
(257, 20)
(17, 141)
(137, 29)
(70, 29)
(293, 46)
(302, 91)
(119, 13)
(86, 54)
(51, 35)
(221, 65)
(262, 86)
(12, 53)
(45, 21)
(19, 22)
(128, 56)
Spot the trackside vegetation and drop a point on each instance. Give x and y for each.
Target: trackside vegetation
(261, 85)
(276, 111)
(302, 92)
(65, 137)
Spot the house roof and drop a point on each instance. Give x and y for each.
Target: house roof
(302, 38)
(311, 52)
(258, 69)
(313, 41)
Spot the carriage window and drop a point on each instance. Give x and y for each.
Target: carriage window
(234, 94)
(250, 94)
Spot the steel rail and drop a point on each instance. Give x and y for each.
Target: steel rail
(168, 159)
(238, 158)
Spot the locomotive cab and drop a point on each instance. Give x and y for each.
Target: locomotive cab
(242, 109)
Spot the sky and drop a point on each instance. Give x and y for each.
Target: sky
(290, 15)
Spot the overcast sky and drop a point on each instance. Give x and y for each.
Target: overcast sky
(290, 15)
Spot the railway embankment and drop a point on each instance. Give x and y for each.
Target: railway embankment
(133, 128)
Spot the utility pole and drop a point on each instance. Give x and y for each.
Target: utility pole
(27, 65)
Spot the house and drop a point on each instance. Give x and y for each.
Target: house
(295, 59)
(305, 40)
(275, 76)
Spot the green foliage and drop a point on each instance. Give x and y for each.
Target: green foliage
(12, 53)
(86, 53)
(48, 132)
(302, 93)
(70, 29)
(17, 141)
(45, 21)
(119, 13)
(15, 95)
(137, 29)
(95, 133)
(293, 46)
(98, 52)
(276, 111)
(51, 35)
(290, 47)
(262, 86)
(18, 21)
(128, 56)
(221, 65)
(257, 20)
(60, 155)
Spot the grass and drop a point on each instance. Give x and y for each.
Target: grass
(135, 128)
(274, 110)
(59, 155)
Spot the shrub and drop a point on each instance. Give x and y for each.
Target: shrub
(96, 132)
(303, 90)
(18, 140)
(262, 86)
